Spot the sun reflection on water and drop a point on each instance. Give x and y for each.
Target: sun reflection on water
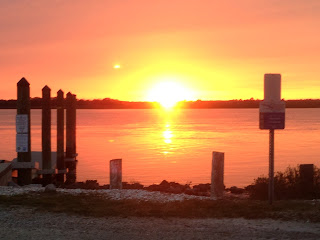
(167, 134)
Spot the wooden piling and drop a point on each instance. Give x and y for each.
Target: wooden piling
(217, 185)
(23, 108)
(46, 135)
(70, 160)
(116, 174)
(306, 172)
(70, 125)
(60, 137)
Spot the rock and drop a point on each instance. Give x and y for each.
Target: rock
(91, 184)
(50, 188)
(153, 187)
(136, 185)
(12, 184)
(169, 187)
(106, 186)
(202, 189)
(236, 190)
(189, 191)
(33, 186)
(165, 184)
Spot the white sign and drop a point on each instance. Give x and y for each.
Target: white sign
(22, 142)
(22, 123)
(272, 109)
(272, 87)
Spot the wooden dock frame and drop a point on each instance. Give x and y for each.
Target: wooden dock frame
(66, 162)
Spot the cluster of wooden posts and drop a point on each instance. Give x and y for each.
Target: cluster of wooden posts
(65, 161)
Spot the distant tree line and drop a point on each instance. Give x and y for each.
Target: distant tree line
(108, 103)
(249, 103)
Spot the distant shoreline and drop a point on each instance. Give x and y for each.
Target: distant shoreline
(107, 103)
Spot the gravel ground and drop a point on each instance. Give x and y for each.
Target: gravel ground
(24, 223)
(27, 223)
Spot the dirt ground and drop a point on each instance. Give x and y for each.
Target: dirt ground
(24, 223)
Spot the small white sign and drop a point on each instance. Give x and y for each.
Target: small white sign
(22, 123)
(22, 142)
(272, 109)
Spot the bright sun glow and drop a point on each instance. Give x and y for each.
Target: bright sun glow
(117, 66)
(169, 93)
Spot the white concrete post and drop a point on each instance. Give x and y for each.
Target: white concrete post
(116, 174)
(217, 185)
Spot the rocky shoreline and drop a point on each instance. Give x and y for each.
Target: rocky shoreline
(114, 194)
(164, 186)
(165, 191)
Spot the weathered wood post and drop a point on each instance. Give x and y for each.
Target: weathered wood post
(116, 174)
(70, 160)
(217, 185)
(60, 138)
(47, 170)
(23, 134)
(306, 172)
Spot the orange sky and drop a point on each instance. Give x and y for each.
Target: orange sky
(218, 49)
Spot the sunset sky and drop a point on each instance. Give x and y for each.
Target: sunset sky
(123, 49)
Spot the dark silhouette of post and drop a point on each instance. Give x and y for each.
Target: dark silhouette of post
(70, 160)
(306, 172)
(60, 138)
(116, 174)
(271, 167)
(23, 107)
(217, 185)
(46, 136)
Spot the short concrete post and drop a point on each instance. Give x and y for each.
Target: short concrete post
(116, 174)
(306, 179)
(23, 108)
(46, 136)
(60, 137)
(217, 185)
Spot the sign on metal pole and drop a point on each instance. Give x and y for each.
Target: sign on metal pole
(272, 116)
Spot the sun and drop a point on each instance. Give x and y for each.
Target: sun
(169, 93)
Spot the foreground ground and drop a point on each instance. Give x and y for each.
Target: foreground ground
(32, 213)
(26, 223)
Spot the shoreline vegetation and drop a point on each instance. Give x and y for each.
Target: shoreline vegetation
(107, 103)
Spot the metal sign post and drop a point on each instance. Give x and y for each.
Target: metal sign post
(271, 166)
(272, 116)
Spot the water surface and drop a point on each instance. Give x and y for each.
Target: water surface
(177, 145)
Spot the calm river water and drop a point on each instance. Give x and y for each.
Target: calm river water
(177, 145)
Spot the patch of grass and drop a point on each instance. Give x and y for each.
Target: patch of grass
(287, 185)
(98, 206)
